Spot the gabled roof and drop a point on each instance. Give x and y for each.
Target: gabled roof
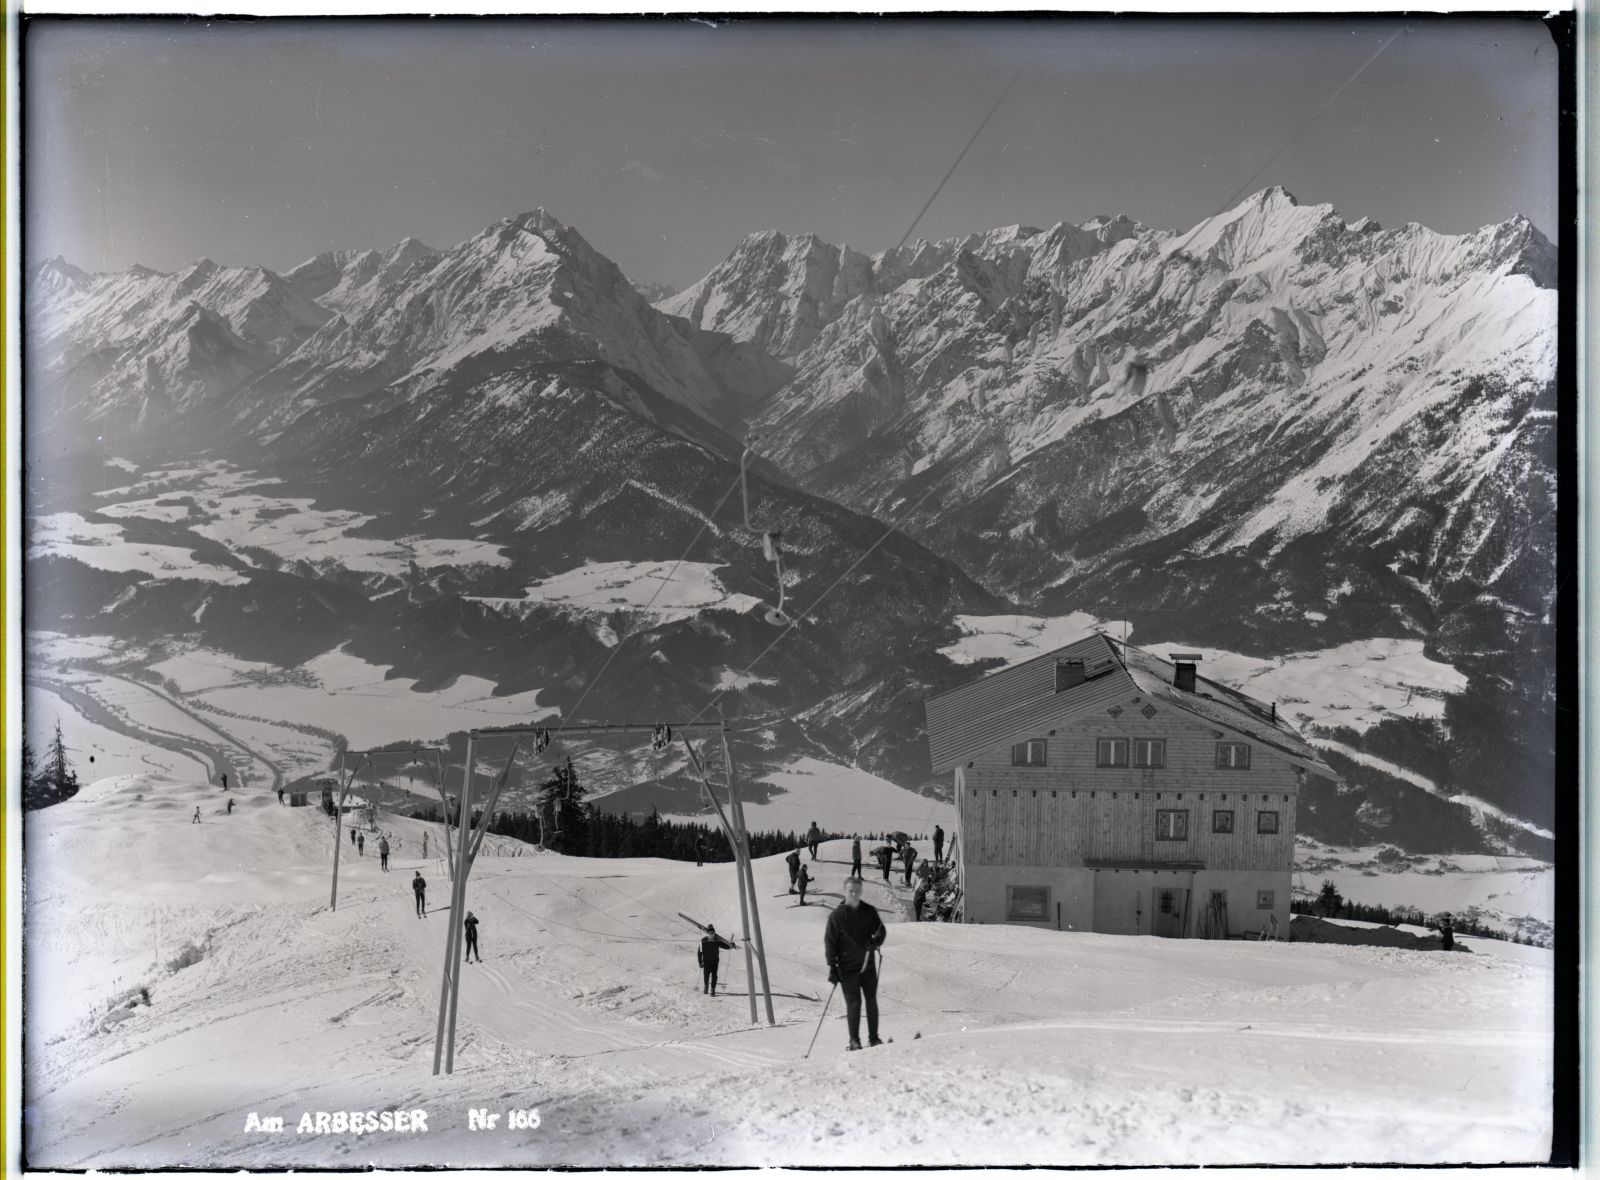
(1014, 702)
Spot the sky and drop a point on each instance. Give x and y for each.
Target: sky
(664, 142)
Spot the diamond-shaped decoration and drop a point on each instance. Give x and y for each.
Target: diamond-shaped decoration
(1115, 710)
(1148, 710)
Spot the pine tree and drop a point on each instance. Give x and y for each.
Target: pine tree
(1329, 901)
(29, 769)
(56, 782)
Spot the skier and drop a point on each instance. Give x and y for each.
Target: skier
(352, 836)
(813, 837)
(361, 844)
(699, 851)
(420, 888)
(280, 796)
(909, 855)
(938, 843)
(196, 818)
(918, 899)
(884, 856)
(471, 924)
(804, 879)
(793, 861)
(383, 854)
(224, 780)
(1447, 933)
(855, 857)
(853, 933)
(708, 956)
(230, 805)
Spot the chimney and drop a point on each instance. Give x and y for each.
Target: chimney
(1183, 669)
(1068, 674)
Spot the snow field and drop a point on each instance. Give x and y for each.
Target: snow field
(114, 753)
(103, 547)
(606, 586)
(839, 799)
(1036, 1046)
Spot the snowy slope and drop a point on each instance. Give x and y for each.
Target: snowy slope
(1036, 1047)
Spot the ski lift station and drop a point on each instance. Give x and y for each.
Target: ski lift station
(1103, 788)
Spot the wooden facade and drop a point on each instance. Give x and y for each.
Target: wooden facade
(1070, 843)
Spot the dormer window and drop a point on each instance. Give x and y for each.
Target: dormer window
(1068, 674)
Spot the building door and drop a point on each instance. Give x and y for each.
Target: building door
(1169, 912)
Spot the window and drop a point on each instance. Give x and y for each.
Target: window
(1028, 753)
(1111, 752)
(1233, 756)
(1267, 823)
(1027, 903)
(1149, 751)
(1264, 899)
(1222, 821)
(1172, 825)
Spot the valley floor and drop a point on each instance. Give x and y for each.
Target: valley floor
(1034, 1047)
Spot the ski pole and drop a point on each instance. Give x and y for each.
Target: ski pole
(820, 1019)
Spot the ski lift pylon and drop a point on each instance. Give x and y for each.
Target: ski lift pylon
(770, 548)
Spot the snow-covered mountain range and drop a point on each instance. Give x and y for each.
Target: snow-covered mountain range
(1274, 432)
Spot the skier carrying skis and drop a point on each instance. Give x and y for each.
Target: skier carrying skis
(853, 933)
(471, 923)
(938, 843)
(855, 857)
(708, 956)
(813, 837)
(420, 888)
(793, 861)
(909, 855)
(383, 854)
(804, 880)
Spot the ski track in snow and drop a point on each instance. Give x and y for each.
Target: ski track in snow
(1036, 1047)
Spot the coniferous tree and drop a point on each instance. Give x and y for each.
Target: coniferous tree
(56, 781)
(29, 769)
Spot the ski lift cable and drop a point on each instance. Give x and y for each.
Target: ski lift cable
(1290, 142)
(706, 524)
(795, 621)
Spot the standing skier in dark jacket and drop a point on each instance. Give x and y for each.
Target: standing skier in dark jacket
(855, 857)
(803, 880)
(909, 855)
(471, 924)
(709, 955)
(938, 844)
(853, 933)
(813, 838)
(885, 856)
(420, 888)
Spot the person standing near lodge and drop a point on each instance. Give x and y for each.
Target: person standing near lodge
(813, 838)
(420, 888)
(938, 844)
(855, 857)
(709, 956)
(793, 861)
(853, 933)
(909, 855)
